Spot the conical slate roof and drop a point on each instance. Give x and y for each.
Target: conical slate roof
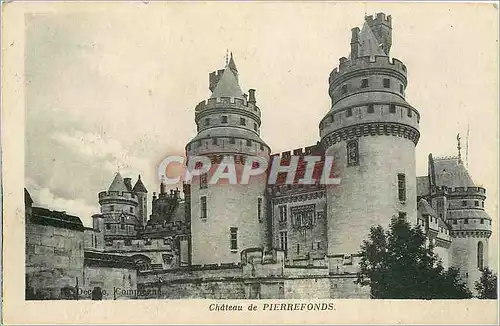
(452, 173)
(228, 85)
(370, 46)
(118, 184)
(139, 186)
(424, 208)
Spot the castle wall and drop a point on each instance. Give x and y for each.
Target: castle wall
(225, 210)
(311, 240)
(368, 193)
(463, 255)
(115, 282)
(54, 259)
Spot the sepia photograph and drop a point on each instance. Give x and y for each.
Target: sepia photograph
(263, 157)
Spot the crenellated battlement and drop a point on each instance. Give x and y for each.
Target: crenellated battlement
(213, 78)
(173, 228)
(117, 195)
(309, 150)
(467, 191)
(225, 102)
(368, 62)
(380, 18)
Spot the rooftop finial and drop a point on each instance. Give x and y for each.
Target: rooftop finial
(459, 148)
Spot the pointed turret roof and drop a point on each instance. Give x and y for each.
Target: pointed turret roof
(450, 172)
(118, 184)
(228, 85)
(232, 65)
(139, 186)
(370, 46)
(425, 208)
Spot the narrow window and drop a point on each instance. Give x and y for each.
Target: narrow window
(259, 209)
(409, 112)
(466, 221)
(401, 88)
(284, 241)
(203, 181)
(249, 142)
(392, 108)
(233, 238)
(298, 248)
(455, 222)
(464, 203)
(480, 258)
(349, 112)
(283, 213)
(108, 226)
(482, 204)
(318, 245)
(261, 147)
(207, 121)
(331, 118)
(203, 207)
(232, 140)
(371, 108)
(364, 83)
(482, 221)
(131, 209)
(387, 83)
(476, 203)
(401, 187)
(214, 141)
(111, 208)
(128, 242)
(352, 153)
(344, 89)
(255, 126)
(223, 119)
(243, 122)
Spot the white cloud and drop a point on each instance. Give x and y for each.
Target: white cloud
(44, 197)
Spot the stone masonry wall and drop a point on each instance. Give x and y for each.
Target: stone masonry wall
(54, 259)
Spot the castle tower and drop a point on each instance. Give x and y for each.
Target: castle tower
(227, 218)
(119, 209)
(371, 133)
(461, 201)
(142, 197)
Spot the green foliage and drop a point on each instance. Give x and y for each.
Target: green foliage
(486, 287)
(397, 264)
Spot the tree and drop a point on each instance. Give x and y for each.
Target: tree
(397, 264)
(486, 286)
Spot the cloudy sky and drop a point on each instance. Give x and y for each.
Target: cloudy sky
(115, 85)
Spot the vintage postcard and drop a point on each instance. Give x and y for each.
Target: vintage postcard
(249, 162)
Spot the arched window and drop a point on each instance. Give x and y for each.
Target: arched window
(480, 256)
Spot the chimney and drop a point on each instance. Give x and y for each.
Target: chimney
(128, 183)
(162, 187)
(251, 96)
(355, 43)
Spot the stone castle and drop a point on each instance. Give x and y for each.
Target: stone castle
(293, 240)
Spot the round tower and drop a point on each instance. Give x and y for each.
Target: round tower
(371, 133)
(119, 208)
(142, 197)
(462, 204)
(227, 218)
